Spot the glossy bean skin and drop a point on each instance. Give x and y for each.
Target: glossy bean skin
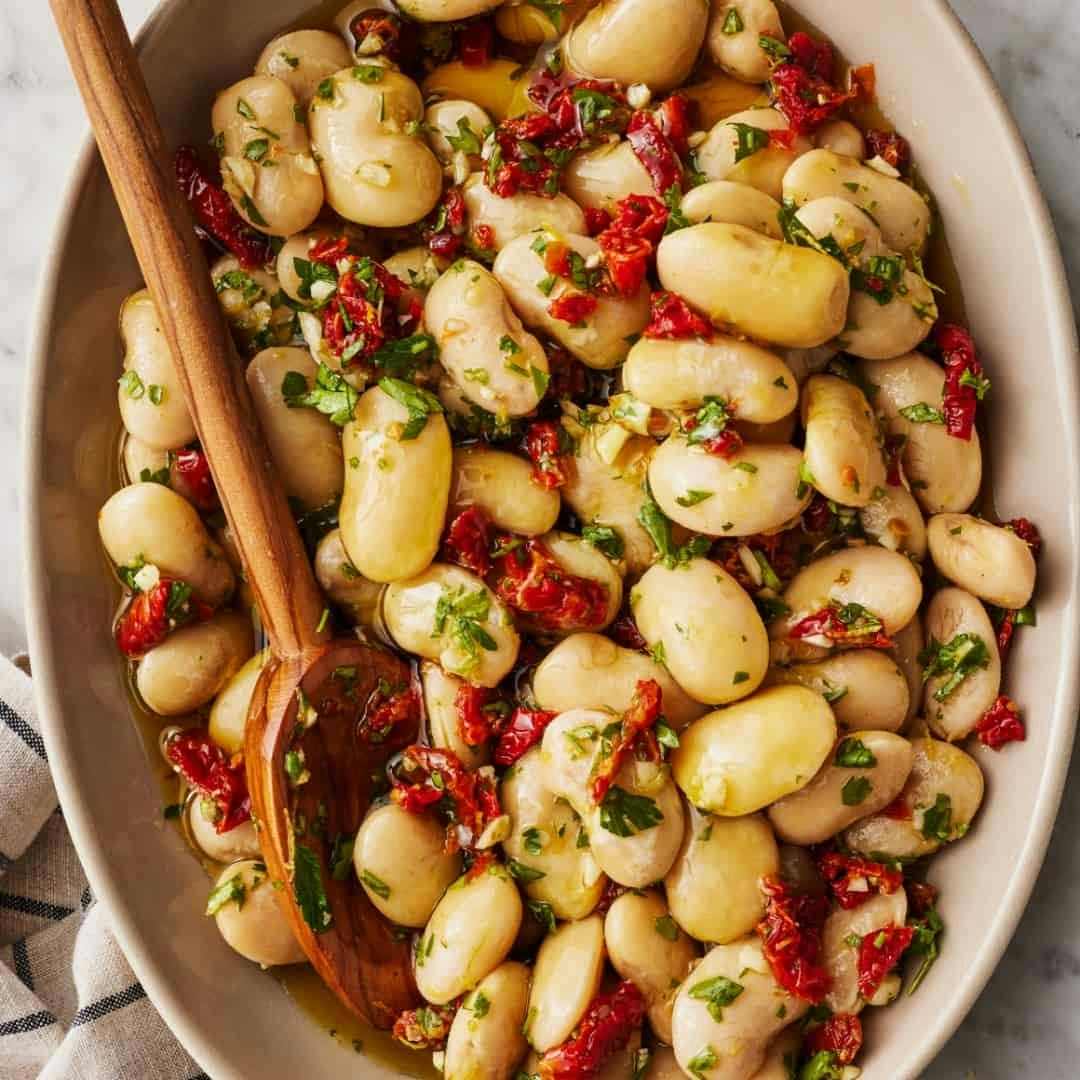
(601, 342)
(740, 759)
(714, 642)
(297, 247)
(352, 592)
(141, 461)
(598, 179)
(485, 1041)
(821, 809)
(419, 269)
(764, 170)
(469, 934)
(953, 716)
(193, 664)
(501, 485)
(841, 137)
(302, 59)
(579, 558)
(396, 490)
(894, 520)
(479, 334)
(498, 86)
(376, 172)
(721, 857)
(734, 40)
(765, 289)
(241, 842)
(168, 424)
(257, 928)
(443, 725)
(733, 203)
(279, 200)
(229, 712)
(988, 560)
(402, 864)
(437, 11)
(151, 522)
(453, 119)
(518, 215)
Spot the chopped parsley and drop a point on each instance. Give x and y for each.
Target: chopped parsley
(921, 413)
(605, 539)
(702, 1062)
(693, 497)
(420, 403)
(855, 791)
(733, 23)
(854, 753)
(309, 890)
(749, 140)
(230, 891)
(525, 874)
(543, 913)
(961, 657)
(718, 992)
(375, 884)
(463, 612)
(667, 928)
(937, 819)
(332, 395)
(624, 814)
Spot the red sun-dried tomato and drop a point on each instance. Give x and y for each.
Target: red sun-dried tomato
(841, 1034)
(803, 88)
(392, 714)
(673, 319)
(890, 147)
(549, 447)
(850, 625)
(484, 240)
(624, 631)
(474, 42)
(791, 938)
(655, 152)
(477, 721)
(1027, 532)
(879, 953)
(531, 581)
(191, 474)
(215, 775)
(525, 730)
(444, 228)
(596, 220)
(603, 1031)
(965, 384)
(425, 1028)
(1001, 724)
(627, 257)
(153, 615)
(673, 116)
(468, 541)
(854, 880)
(215, 213)
(641, 214)
(382, 32)
(572, 307)
(814, 55)
(1005, 630)
(634, 737)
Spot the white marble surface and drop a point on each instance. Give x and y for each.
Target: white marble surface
(1025, 1024)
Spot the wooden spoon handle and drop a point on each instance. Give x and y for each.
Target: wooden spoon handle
(139, 165)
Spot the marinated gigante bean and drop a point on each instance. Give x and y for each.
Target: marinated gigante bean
(486, 1040)
(600, 341)
(902, 214)
(733, 204)
(401, 861)
(722, 156)
(589, 671)
(740, 759)
(755, 490)
(152, 403)
(248, 913)
(396, 488)
(437, 11)
(566, 977)
(444, 724)
(266, 165)
(654, 42)
(721, 858)
(598, 179)
(907, 648)
(518, 214)
(303, 444)
(841, 137)
(141, 462)
(377, 170)
(763, 288)
(344, 584)
(735, 33)
(254, 310)
(148, 522)
(299, 247)
(501, 485)
(465, 124)
(241, 842)
(648, 948)
(302, 59)
(843, 452)
(964, 646)
(581, 559)
(865, 773)
(945, 473)
(988, 560)
(894, 520)
(229, 712)
(193, 664)
(449, 615)
(682, 374)
(493, 359)
(706, 628)
(943, 794)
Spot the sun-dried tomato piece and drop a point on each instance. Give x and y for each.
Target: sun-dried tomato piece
(444, 228)
(572, 307)
(425, 1028)
(361, 316)
(1027, 532)
(154, 614)
(890, 147)
(624, 631)
(525, 730)
(642, 214)
(674, 120)
(477, 722)
(655, 152)
(921, 896)
(549, 446)
(1001, 724)
(634, 737)
(596, 220)
(468, 541)
(627, 257)
(805, 96)
(392, 714)
(965, 384)
(851, 625)
(215, 775)
(1005, 630)
(814, 55)
(484, 240)
(382, 32)
(791, 937)
(191, 474)
(841, 1034)
(474, 42)
(862, 83)
(673, 319)
(603, 1031)
(879, 953)
(854, 880)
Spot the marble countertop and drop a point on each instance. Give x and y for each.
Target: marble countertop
(1025, 1022)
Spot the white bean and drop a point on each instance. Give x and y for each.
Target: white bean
(439, 11)
(229, 712)
(841, 957)
(251, 919)
(735, 33)
(733, 204)
(501, 485)
(240, 842)
(252, 307)
(457, 120)
(443, 720)
(598, 179)
(518, 215)
(988, 560)
(302, 59)
(894, 520)
(485, 1038)
(841, 137)
(344, 584)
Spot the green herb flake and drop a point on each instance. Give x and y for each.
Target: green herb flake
(244, 109)
(741, 677)
(702, 1062)
(256, 149)
(420, 403)
(543, 913)
(925, 943)
(693, 497)
(855, 791)
(532, 840)
(463, 613)
(625, 814)
(718, 992)
(230, 891)
(309, 890)
(937, 819)
(525, 874)
(605, 539)
(962, 656)
(368, 73)
(131, 384)
(854, 753)
(749, 140)
(732, 23)
(921, 413)
(667, 928)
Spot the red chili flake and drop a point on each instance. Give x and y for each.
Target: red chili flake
(673, 116)
(851, 625)
(596, 220)
(484, 238)
(549, 446)
(1027, 532)
(533, 582)
(444, 228)
(215, 775)
(1001, 724)
(425, 1028)
(474, 43)
(674, 319)
(477, 722)
(557, 259)
(814, 55)
(791, 937)
(624, 631)
(655, 152)
(899, 810)
(854, 880)
(965, 384)
(890, 147)
(153, 615)
(468, 541)
(193, 471)
(392, 714)
(879, 953)
(1006, 629)
(634, 737)
(524, 731)
(603, 1031)
(841, 1035)
(215, 214)
(572, 307)
(481, 864)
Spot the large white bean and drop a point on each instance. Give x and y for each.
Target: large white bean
(344, 584)
(228, 714)
(486, 1041)
(250, 917)
(150, 522)
(518, 215)
(722, 155)
(907, 648)
(713, 640)
(402, 863)
(952, 711)
(377, 169)
(240, 842)
(499, 87)
(841, 957)
(755, 490)
(152, 403)
(469, 934)
(986, 559)
(437, 11)
(733, 204)
(739, 759)
(443, 720)
(501, 485)
(721, 858)
(489, 354)
(272, 179)
(598, 179)
(396, 489)
(191, 666)
(252, 305)
(462, 121)
(302, 59)
(735, 33)
(141, 461)
(414, 613)
(841, 137)
(566, 977)
(894, 520)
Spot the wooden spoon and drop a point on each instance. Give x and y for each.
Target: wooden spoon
(326, 744)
